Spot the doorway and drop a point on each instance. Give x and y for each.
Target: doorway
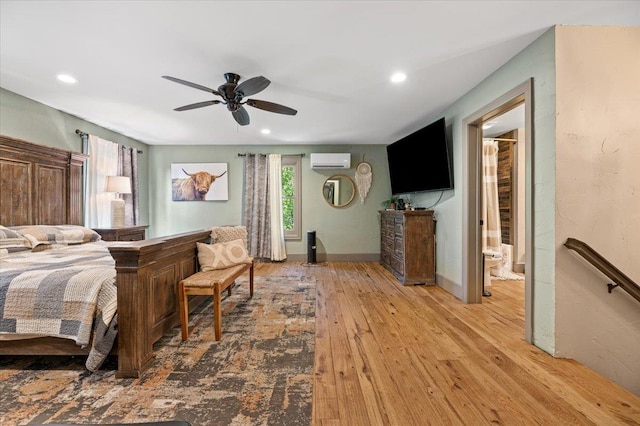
(503, 191)
(472, 264)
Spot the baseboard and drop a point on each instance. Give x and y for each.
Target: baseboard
(450, 286)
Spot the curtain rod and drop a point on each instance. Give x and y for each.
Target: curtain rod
(83, 134)
(284, 155)
(139, 150)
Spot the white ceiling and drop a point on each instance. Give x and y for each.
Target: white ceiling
(330, 60)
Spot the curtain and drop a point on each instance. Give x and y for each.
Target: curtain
(491, 231)
(103, 162)
(278, 250)
(128, 166)
(257, 213)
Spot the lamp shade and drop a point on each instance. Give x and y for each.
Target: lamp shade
(121, 184)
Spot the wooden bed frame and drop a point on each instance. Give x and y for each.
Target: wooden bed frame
(43, 186)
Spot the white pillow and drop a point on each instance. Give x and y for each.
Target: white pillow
(222, 255)
(12, 241)
(58, 234)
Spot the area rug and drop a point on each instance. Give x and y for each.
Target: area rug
(259, 373)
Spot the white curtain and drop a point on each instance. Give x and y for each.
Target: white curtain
(103, 162)
(491, 230)
(278, 250)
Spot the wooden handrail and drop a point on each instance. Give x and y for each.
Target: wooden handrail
(606, 267)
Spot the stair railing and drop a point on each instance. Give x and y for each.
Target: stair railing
(606, 267)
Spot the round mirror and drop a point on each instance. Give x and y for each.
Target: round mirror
(338, 190)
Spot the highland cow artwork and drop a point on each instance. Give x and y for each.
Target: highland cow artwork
(199, 182)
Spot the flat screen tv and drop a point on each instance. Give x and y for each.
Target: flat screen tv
(420, 161)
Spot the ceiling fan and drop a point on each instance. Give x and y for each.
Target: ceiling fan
(232, 95)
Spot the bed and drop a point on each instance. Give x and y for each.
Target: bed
(58, 281)
(43, 186)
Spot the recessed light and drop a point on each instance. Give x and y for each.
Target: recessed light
(265, 131)
(398, 77)
(66, 78)
(488, 125)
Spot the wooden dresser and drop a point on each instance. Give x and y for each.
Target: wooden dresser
(407, 245)
(125, 233)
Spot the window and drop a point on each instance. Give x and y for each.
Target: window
(291, 171)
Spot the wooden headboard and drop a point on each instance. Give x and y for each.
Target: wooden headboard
(39, 185)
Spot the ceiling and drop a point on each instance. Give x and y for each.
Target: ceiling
(512, 119)
(329, 60)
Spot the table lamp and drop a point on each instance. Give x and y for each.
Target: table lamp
(119, 185)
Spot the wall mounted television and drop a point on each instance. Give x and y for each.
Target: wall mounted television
(420, 162)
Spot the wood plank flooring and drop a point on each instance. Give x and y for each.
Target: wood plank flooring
(388, 354)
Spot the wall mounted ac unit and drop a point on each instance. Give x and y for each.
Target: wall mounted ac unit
(326, 160)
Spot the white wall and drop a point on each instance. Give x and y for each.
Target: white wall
(598, 196)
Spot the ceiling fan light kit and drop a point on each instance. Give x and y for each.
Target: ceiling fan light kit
(233, 95)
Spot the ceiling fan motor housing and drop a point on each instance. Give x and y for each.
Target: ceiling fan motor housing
(228, 91)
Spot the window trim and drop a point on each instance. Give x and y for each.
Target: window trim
(295, 161)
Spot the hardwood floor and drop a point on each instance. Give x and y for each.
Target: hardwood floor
(388, 354)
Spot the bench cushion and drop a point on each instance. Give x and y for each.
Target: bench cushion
(205, 279)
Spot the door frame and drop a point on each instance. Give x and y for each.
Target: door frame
(472, 199)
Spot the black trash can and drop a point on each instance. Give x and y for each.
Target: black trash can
(311, 246)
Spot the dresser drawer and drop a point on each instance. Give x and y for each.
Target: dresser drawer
(132, 236)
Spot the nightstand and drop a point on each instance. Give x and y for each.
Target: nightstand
(125, 233)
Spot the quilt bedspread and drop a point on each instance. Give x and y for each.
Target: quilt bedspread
(67, 291)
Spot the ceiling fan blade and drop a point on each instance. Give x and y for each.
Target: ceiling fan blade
(190, 84)
(196, 105)
(253, 85)
(241, 115)
(271, 107)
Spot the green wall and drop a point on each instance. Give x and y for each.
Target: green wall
(353, 230)
(536, 61)
(31, 121)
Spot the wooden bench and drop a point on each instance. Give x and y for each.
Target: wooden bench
(210, 283)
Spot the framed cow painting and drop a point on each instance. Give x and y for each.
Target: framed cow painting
(199, 182)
